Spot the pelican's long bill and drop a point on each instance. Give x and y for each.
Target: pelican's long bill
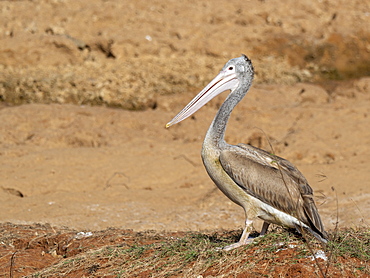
(225, 80)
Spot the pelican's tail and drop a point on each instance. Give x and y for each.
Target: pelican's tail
(321, 236)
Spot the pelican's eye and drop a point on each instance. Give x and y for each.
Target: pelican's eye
(231, 68)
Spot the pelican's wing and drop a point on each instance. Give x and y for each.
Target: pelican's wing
(274, 181)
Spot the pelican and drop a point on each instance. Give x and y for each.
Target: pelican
(266, 186)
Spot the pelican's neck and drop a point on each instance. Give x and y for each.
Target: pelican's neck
(216, 132)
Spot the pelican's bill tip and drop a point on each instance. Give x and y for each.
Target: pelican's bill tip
(168, 124)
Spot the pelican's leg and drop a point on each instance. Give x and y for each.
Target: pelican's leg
(244, 238)
(264, 228)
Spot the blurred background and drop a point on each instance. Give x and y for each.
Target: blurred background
(86, 88)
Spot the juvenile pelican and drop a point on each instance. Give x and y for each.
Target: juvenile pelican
(265, 185)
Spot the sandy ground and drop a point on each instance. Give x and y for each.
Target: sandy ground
(98, 80)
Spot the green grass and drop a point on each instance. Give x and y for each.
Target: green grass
(192, 254)
(352, 243)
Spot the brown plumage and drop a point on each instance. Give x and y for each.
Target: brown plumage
(281, 186)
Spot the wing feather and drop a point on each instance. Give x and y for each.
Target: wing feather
(280, 185)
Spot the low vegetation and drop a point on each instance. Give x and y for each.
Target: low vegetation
(122, 253)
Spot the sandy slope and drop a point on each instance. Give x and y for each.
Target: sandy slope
(70, 164)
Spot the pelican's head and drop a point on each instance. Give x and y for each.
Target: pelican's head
(243, 67)
(236, 72)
